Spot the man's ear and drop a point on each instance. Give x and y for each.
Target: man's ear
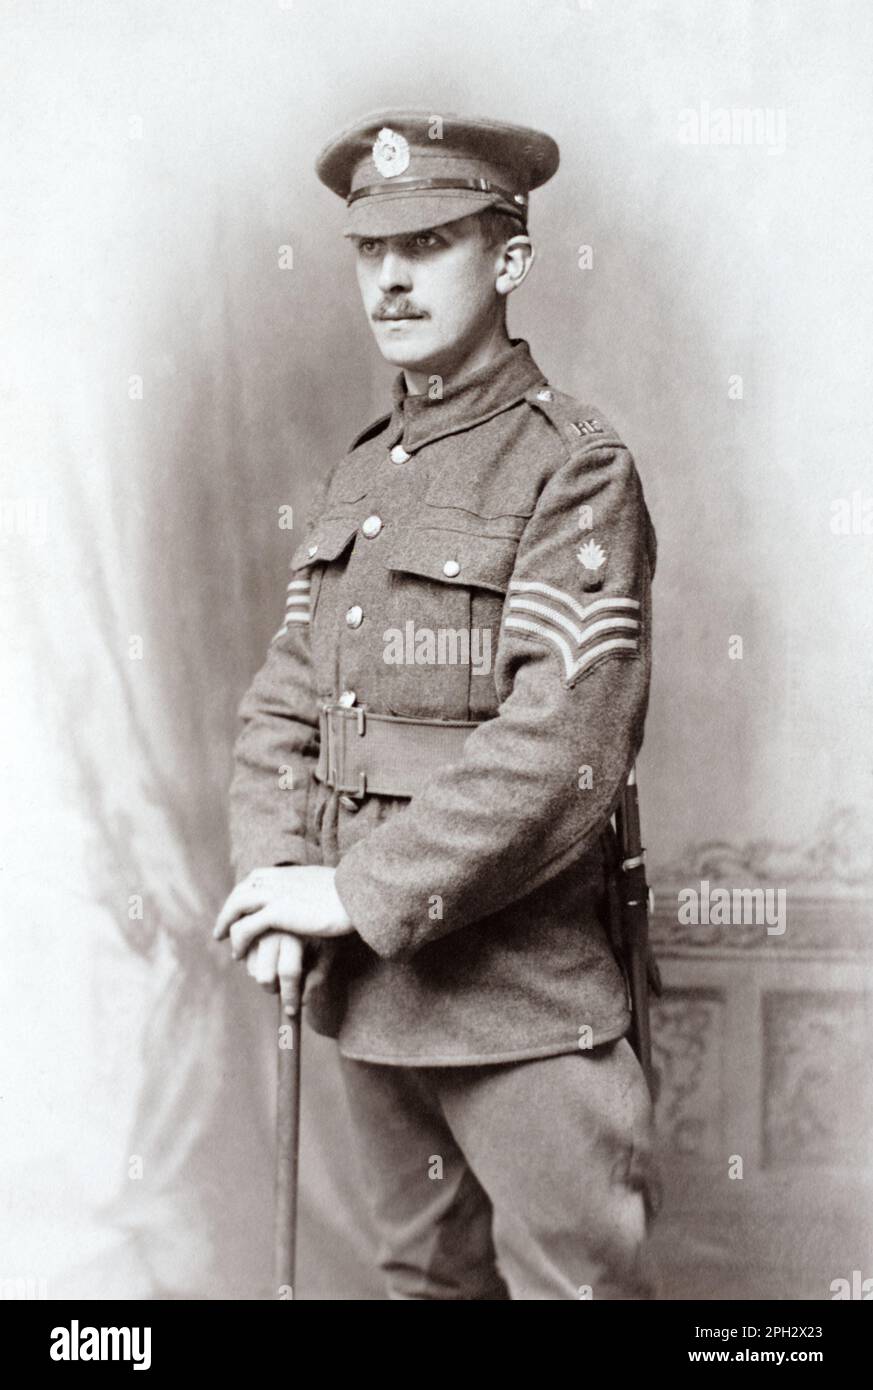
(516, 259)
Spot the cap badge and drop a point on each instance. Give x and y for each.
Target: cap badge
(390, 152)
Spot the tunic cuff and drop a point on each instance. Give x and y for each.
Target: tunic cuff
(369, 918)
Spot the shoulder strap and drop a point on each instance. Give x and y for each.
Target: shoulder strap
(576, 423)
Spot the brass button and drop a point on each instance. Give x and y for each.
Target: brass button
(355, 616)
(372, 526)
(451, 568)
(347, 699)
(545, 395)
(313, 550)
(399, 454)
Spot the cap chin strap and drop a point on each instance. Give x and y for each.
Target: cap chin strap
(517, 201)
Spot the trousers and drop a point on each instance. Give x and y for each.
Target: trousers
(517, 1180)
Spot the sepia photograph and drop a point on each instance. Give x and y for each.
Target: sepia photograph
(437, 574)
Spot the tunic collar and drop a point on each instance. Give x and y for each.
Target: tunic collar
(417, 420)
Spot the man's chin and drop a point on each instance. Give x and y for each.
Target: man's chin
(406, 347)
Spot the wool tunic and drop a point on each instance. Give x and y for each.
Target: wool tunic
(479, 554)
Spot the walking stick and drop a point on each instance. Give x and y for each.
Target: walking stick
(287, 1142)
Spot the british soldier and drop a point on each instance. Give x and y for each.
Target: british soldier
(459, 687)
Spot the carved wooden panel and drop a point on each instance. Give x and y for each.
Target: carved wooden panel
(816, 1065)
(762, 1041)
(687, 1047)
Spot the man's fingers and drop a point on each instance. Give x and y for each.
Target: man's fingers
(247, 929)
(290, 972)
(267, 960)
(243, 899)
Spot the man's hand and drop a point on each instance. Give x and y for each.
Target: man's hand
(300, 900)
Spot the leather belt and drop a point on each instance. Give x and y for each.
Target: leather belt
(364, 754)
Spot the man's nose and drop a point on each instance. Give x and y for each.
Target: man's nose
(394, 273)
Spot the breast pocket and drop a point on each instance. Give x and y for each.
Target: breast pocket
(448, 589)
(460, 559)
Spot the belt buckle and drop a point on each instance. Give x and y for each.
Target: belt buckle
(353, 793)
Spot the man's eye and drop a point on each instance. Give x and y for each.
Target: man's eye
(367, 248)
(426, 239)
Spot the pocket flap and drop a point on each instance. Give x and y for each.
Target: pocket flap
(454, 557)
(327, 540)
